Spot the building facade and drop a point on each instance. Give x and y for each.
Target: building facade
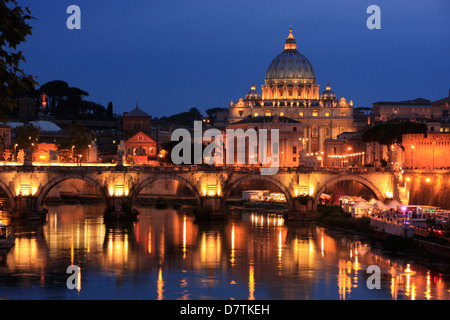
(290, 90)
(427, 151)
(141, 149)
(136, 121)
(290, 139)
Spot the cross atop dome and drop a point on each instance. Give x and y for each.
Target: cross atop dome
(290, 41)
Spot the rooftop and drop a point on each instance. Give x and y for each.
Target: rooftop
(266, 119)
(136, 113)
(41, 124)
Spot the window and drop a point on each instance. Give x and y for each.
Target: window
(431, 128)
(256, 114)
(294, 149)
(268, 114)
(342, 113)
(327, 114)
(281, 114)
(294, 159)
(300, 114)
(294, 129)
(241, 113)
(315, 114)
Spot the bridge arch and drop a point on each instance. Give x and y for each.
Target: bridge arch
(10, 195)
(274, 181)
(42, 194)
(359, 179)
(148, 181)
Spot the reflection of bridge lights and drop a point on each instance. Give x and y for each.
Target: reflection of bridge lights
(269, 220)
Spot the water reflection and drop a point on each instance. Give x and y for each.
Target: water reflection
(166, 254)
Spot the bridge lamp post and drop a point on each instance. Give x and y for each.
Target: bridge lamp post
(15, 156)
(73, 147)
(412, 156)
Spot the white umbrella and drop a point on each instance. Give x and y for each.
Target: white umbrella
(361, 205)
(379, 205)
(394, 204)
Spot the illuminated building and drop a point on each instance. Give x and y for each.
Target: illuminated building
(290, 90)
(290, 133)
(141, 149)
(346, 151)
(45, 153)
(430, 150)
(386, 110)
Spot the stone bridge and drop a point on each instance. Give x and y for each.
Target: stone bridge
(27, 187)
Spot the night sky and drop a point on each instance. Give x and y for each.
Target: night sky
(169, 56)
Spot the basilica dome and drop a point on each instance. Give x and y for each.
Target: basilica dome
(252, 94)
(328, 94)
(290, 66)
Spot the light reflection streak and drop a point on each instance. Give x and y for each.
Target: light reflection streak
(66, 237)
(160, 285)
(232, 260)
(251, 282)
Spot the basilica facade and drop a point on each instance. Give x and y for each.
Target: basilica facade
(290, 90)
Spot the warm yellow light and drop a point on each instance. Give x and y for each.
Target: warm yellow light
(408, 179)
(412, 147)
(427, 179)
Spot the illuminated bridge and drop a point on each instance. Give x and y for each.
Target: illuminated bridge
(27, 187)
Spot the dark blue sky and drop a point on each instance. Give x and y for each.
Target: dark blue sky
(170, 56)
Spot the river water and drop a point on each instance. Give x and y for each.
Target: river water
(166, 254)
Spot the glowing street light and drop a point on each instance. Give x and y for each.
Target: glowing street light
(15, 156)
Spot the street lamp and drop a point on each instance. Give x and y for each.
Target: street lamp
(412, 156)
(73, 147)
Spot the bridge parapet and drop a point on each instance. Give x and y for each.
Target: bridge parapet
(202, 180)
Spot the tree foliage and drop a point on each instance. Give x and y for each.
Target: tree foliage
(27, 136)
(184, 118)
(391, 133)
(63, 101)
(77, 143)
(14, 29)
